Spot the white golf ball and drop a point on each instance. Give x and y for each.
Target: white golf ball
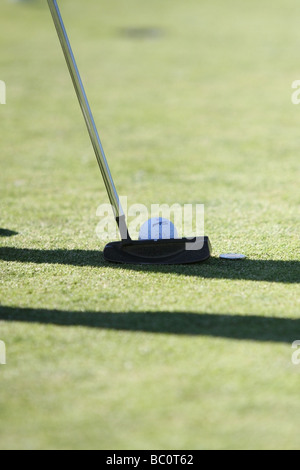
(158, 228)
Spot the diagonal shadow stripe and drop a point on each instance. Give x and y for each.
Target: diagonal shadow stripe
(7, 233)
(238, 327)
(254, 270)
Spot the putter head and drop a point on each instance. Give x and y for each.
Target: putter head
(175, 251)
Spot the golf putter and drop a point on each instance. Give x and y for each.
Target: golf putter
(126, 251)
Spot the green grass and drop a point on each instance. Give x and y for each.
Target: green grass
(105, 357)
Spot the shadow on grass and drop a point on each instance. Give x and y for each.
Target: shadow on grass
(253, 270)
(7, 233)
(141, 33)
(238, 327)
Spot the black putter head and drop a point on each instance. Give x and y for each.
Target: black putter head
(174, 251)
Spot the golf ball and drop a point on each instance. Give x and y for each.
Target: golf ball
(158, 228)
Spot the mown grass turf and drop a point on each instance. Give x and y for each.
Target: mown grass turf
(193, 104)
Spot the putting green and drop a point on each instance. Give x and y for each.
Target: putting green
(193, 104)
